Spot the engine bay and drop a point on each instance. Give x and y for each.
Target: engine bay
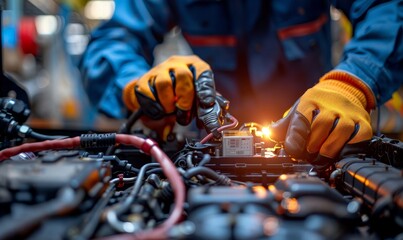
(129, 186)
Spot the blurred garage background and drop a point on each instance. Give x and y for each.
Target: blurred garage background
(43, 41)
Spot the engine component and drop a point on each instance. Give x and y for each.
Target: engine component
(257, 169)
(228, 213)
(54, 184)
(302, 195)
(370, 179)
(387, 150)
(237, 143)
(17, 108)
(67, 194)
(297, 206)
(380, 186)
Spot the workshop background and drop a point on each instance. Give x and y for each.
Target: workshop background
(44, 40)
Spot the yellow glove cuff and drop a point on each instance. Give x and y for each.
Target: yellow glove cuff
(353, 86)
(129, 97)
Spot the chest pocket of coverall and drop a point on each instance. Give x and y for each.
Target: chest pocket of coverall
(205, 25)
(300, 28)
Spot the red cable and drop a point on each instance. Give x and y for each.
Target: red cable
(149, 147)
(177, 184)
(40, 146)
(220, 129)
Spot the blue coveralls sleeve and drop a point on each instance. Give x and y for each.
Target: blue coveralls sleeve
(375, 53)
(121, 50)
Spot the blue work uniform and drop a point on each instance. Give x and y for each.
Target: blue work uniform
(264, 54)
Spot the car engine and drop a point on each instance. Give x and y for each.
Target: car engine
(238, 186)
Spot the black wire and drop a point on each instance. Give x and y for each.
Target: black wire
(122, 207)
(91, 221)
(197, 146)
(176, 154)
(155, 171)
(203, 171)
(209, 173)
(125, 128)
(181, 157)
(39, 136)
(121, 163)
(140, 177)
(206, 159)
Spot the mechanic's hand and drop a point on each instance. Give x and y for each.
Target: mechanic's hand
(329, 115)
(169, 89)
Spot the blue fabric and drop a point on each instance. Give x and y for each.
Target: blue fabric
(375, 54)
(278, 69)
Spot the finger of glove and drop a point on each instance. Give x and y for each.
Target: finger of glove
(198, 65)
(151, 108)
(321, 127)
(192, 62)
(205, 89)
(280, 127)
(164, 92)
(337, 138)
(184, 90)
(147, 97)
(189, 69)
(356, 148)
(298, 134)
(363, 132)
(144, 86)
(129, 96)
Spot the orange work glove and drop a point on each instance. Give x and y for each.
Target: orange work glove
(329, 115)
(170, 88)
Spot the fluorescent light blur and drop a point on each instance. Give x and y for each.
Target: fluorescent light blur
(335, 14)
(76, 39)
(46, 24)
(99, 9)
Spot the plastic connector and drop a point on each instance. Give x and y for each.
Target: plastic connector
(8, 126)
(17, 108)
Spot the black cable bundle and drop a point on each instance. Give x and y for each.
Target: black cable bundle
(94, 140)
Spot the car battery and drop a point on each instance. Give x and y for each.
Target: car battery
(237, 143)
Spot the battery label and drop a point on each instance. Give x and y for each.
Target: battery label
(237, 143)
